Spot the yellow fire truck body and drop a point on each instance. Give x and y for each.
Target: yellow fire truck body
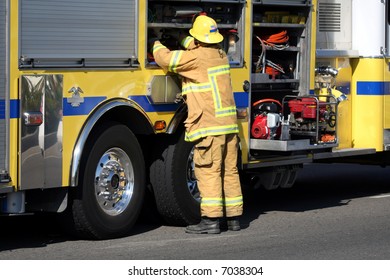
(360, 53)
(89, 123)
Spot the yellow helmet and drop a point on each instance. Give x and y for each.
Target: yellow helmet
(205, 30)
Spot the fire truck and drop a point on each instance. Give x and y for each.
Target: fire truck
(90, 125)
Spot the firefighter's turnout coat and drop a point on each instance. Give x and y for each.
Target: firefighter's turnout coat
(206, 87)
(211, 121)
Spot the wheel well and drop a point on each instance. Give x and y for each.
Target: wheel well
(130, 117)
(116, 111)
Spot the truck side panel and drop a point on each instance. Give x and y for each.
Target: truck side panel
(4, 117)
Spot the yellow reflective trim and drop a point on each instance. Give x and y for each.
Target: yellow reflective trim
(157, 47)
(193, 87)
(208, 131)
(221, 69)
(215, 91)
(234, 201)
(175, 59)
(187, 41)
(211, 201)
(213, 72)
(228, 111)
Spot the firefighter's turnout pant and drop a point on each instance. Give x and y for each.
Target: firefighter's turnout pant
(215, 159)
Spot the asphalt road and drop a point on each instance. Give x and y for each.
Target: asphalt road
(333, 212)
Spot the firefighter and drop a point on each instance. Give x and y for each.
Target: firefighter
(211, 121)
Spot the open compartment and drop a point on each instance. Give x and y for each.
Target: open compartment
(170, 20)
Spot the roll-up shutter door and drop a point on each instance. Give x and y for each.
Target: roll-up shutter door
(78, 33)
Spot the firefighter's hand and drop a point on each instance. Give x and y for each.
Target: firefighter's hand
(151, 42)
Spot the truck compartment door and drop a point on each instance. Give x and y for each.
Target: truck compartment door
(41, 131)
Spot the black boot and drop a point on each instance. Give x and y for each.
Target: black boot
(206, 225)
(233, 224)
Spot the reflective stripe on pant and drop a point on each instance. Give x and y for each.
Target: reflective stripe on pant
(215, 160)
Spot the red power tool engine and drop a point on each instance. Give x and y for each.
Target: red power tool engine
(306, 108)
(267, 116)
(309, 114)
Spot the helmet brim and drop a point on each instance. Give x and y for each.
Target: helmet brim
(212, 38)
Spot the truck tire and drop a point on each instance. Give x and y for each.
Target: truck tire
(174, 183)
(112, 177)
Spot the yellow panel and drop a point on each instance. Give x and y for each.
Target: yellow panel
(14, 143)
(14, 123)
(386, 124)
(313, 42)
(344, 118)
(386, 107)
(367, 105)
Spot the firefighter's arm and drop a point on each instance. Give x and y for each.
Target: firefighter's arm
(177, 61)
(162, 55)
(187, 42)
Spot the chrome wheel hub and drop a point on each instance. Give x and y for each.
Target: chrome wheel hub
(114, 181)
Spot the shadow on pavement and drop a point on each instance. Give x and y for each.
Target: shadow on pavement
(318, 186)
